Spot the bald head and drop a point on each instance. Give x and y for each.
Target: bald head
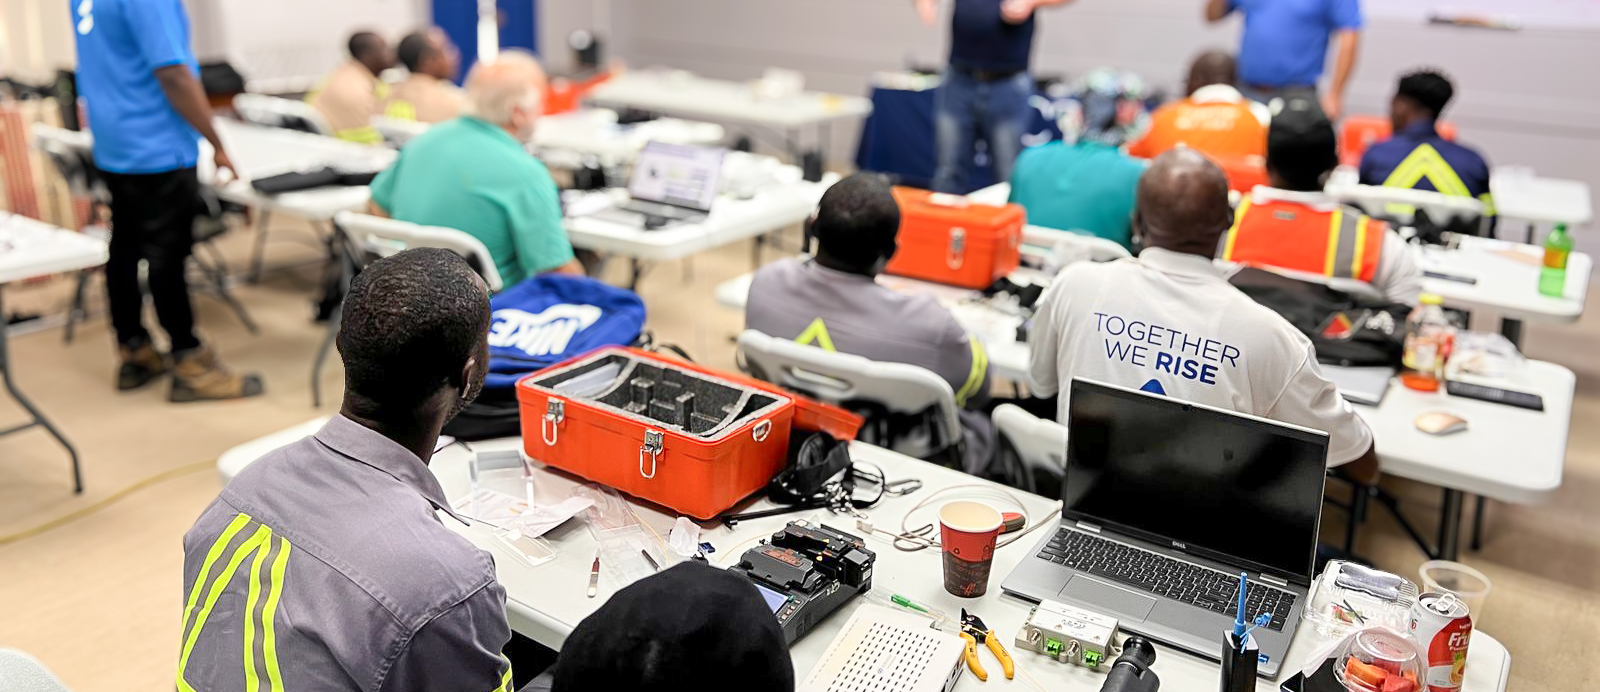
(1183, 203)
(1211, 67)
(508, 92)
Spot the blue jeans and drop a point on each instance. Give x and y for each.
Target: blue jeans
(967, 109)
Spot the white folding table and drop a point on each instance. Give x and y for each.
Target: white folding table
(546, 602)
(730, 220)
(30, 248)
(690, 96)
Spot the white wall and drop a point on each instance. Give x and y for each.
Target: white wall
(1527, 97)
(35, 38)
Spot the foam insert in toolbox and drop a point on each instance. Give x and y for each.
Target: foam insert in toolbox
(659, 394)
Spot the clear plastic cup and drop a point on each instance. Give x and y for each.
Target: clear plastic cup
(1468, 584)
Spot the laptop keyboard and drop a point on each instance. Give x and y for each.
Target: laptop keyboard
(1163, 576)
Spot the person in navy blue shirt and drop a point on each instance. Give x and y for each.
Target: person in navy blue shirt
(986, 87)
(1417, 157)
(138, 78)
(1285, 44)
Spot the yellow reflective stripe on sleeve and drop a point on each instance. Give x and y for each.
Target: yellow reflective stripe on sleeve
(212, 555)
(977, 374)
(1427, 162)
(269, 616)
(1233, 231)
(1361, 247)
(1335, 229)
(252, 679)
(401, 110)
(817, 332)
(366, 134)
(214, 592)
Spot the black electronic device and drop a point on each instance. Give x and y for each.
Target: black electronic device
(806, 572)
(1131, 671)
(1495, 395)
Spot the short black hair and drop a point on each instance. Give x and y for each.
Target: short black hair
(410, 323)
(857, 220)
(1301, 144)
(1429, 88)
(363, 42)
(413, 49)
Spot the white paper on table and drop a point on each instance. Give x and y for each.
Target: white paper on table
(510, 512)
(492, 507)
(538, 520)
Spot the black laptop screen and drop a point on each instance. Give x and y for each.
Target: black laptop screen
(1224, 485)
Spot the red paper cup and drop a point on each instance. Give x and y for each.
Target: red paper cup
(968, 530)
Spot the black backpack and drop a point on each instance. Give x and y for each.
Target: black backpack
(1346, 329)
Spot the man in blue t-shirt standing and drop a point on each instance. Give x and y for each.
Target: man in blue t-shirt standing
(986, 88)
(1285, 45)
(137, 74)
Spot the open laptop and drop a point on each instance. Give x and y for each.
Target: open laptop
(1165, 503)
(671, 184)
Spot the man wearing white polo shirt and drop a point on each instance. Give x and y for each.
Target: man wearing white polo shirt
(1170, 323)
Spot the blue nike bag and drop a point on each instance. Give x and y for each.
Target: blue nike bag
(551, 318)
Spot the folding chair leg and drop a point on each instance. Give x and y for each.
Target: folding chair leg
(258, 255)
(322, 355)
(213, 269)
(79, 312)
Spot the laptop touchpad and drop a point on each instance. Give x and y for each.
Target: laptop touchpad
(1107, 598)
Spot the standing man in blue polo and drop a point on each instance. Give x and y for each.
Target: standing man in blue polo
(1285, 46)
(986, 88)
(138, 78)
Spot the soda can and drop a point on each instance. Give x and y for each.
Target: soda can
(1440, 625)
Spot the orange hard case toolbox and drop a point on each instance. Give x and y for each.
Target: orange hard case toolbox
(950, 240)
(588, 416)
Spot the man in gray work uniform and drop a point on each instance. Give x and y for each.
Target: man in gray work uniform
(324, 565)
(834, 303)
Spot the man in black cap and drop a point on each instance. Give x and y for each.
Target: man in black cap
(1295, 225)
(690, 627)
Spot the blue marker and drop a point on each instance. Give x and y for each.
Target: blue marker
(1240, 624)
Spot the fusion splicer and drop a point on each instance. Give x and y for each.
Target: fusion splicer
(806, 572)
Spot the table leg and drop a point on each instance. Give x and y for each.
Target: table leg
(1477, 524)
(34, 413)
(1512, 331)
(1450, 526)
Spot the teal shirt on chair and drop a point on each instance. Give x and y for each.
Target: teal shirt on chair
(473, 176)
(1085, 187)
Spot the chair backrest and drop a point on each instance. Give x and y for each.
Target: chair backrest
(20, 672)
(386, 237)
(1399, 204)
(837, 378)
(1358, 132)
(1098, 249)
(273, 111)
(398, 131)
(72, 153)
(1040, 446)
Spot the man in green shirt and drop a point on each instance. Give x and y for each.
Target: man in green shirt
(473, 174)
(1087, 187)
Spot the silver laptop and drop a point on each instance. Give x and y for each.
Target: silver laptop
(1165, 503)
(671, 184)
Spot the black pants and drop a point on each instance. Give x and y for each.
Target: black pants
(152, 219)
